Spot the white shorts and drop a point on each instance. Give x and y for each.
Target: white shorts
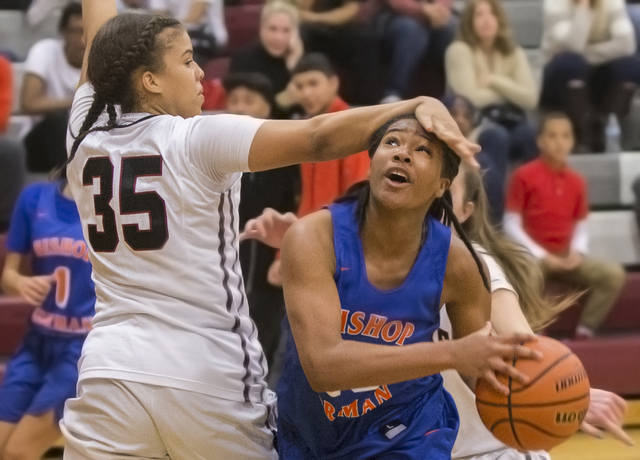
(114, 419)
(509, 454)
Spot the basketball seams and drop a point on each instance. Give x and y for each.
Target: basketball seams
(542, 374)
(554, 403)
(529, 424)
(509, 407)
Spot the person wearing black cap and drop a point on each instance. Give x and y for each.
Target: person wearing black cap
(252, 94)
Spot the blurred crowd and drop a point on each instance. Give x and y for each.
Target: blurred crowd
(311, 57)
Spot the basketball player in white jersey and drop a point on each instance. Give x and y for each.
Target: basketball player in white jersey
(173, 367)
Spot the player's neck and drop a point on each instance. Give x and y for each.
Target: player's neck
(392, 232)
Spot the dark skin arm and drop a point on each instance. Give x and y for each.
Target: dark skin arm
(331, 363)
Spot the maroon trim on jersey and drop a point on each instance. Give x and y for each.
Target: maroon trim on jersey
(225, 284)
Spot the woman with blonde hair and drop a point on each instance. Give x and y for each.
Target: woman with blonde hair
(592, 70)
(487, 67)
(277, 51)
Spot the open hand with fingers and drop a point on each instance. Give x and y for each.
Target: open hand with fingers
(606, 413)
(435, 118)
(481, 355)
(268, 228)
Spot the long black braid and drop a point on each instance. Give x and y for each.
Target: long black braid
(110, 68)
(441, 208)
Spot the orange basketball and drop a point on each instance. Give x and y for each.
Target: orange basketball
(544, 412)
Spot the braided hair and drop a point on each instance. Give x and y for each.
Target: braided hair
(441, 208)
(124, 44)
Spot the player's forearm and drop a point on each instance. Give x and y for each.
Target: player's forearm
(351, 364)
(94, 14)
(341, 134)
(9, 281)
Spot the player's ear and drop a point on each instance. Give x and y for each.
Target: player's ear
(149, 83)
(444, 186)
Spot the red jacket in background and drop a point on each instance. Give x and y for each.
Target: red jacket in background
(6, 92)
(324, 182)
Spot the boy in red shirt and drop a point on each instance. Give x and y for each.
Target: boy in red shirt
(316, 86)
(547, 212)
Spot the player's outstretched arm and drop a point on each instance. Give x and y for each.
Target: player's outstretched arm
(331, 363)
(94, 14)
(338, 135)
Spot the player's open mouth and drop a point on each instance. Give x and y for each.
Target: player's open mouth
(398, 176)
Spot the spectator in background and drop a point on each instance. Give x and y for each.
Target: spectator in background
(52, 72)
(204, 20)
(315, 84)
(547, 212)
(45, 235)
(486, 66)
(332, 27)
(252, 94)
(592, 70)
(316, 87)
(11, 152)
(277, 51)
(411, 28)
(494, 143)
(40, 10)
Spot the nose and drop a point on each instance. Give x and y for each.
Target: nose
(403, 156)
(199, 73)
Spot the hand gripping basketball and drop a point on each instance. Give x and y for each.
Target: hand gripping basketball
(482, 355)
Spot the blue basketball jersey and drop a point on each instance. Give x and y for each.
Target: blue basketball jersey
(46, 225)
(411, 419)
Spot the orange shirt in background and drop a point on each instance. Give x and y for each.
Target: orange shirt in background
(324, 182)
(6, 92)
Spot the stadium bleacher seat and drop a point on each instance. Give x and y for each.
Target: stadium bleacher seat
(18, 36)
(243, 23)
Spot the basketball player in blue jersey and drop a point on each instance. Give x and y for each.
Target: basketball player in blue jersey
(45, 229)
(364, 282)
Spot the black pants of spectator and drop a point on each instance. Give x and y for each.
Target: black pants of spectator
(15, 4)
(601, 80)
(46, 143)
(353, 49)
(11, 179)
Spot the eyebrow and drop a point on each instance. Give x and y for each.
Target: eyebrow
(188, 52)
(424, 135)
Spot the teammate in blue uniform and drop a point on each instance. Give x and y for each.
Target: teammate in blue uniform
(364, 282)
(45, 229)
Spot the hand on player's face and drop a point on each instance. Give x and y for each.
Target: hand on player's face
(606, 413)
(435, 118)
(34, 289)
(268, 228)
(482, 355)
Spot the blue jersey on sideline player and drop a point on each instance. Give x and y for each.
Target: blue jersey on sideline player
(411, 419)
(43, 373)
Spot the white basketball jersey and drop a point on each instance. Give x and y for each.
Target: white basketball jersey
(473, 437)
(158, 199)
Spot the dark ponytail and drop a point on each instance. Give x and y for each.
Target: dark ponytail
(124, 44)
(441, 209)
